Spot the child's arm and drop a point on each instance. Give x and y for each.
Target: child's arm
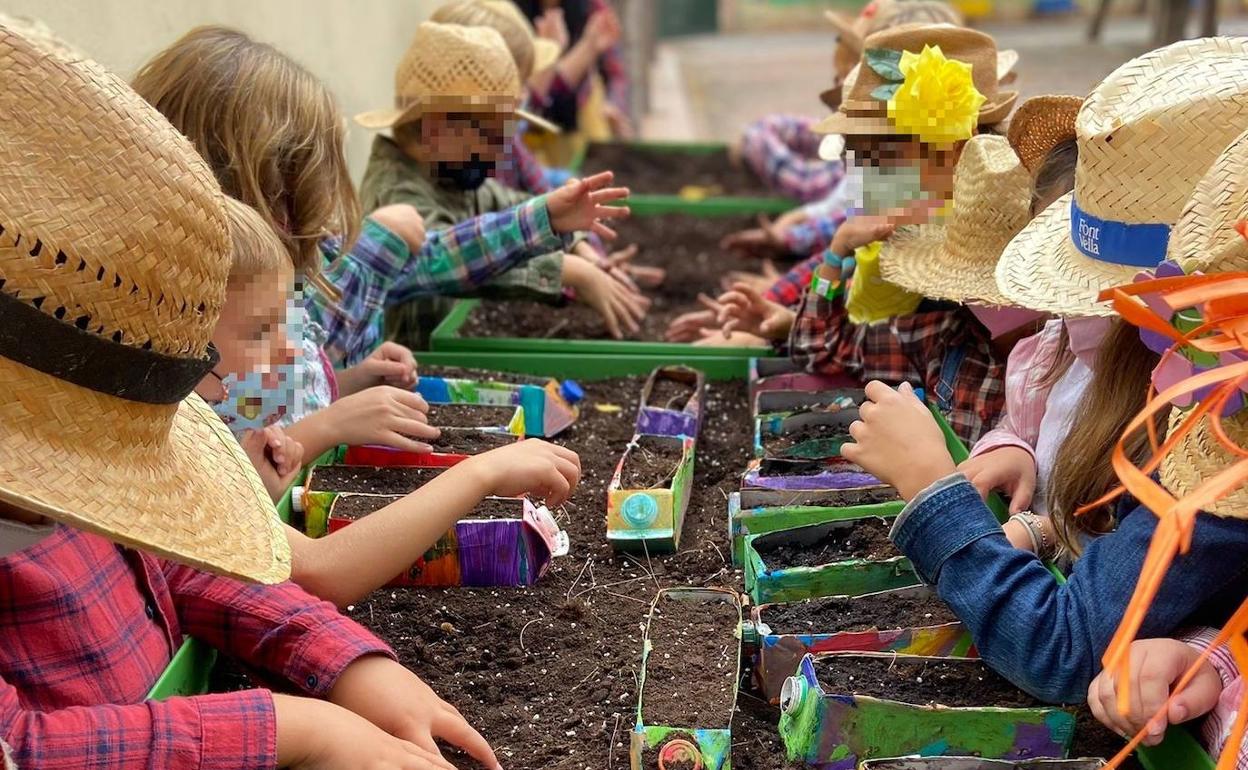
(346, 565)
(383, 415)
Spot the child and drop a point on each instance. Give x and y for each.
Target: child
(449, 134)
(1048, 638)
(344, 566)
(115, 256)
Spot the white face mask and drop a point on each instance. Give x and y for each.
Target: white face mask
(880, 189)
(1086, 334)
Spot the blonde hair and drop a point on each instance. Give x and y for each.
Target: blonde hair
(470, 13)
(256, 249)
(269, 129)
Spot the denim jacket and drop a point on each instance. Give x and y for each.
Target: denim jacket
(1049, 638)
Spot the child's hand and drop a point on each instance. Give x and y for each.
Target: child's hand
(616, 303)
(287, 454)
(603, 30)
(688, 327)
(545, 472)
(619, 122)
(638, 275)
(760, 281)
(382, 415)
(315, 735)
(1008, 469)
(403, 220)
(551, 26)
(897, 440)
(396, 700)
(275, 456)
(863, 230)
(1156, 665)
(581, 205)
(744, 310)
(764, 241)
(390, 364)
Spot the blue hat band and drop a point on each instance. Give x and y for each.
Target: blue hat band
(1118, 243)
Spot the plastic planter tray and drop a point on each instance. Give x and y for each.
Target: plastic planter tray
(779, 655)
(835, 732)
(650, 520)
(707, 748)
(853, 577)
(974, 763)
(446, 338)
(549, 405)
(481, 552)
(671, 419)
(757, 512)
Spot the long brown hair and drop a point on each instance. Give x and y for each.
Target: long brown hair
(1082, 471)
(269, 129)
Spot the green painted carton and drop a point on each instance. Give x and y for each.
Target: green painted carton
(975, 763)
(650, 520)
(759, 511)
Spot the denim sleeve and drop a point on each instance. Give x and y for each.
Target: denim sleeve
(1046, 637)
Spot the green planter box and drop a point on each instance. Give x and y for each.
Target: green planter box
(588, 368)
(845, 578)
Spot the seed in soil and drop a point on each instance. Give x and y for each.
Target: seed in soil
(651, 463)
(369, 479)
(354, 507)
(919, 682)
(839, 614)
(670, 393)
(691, 671)
(654, 172)
(857, 539)
(843, 498)
(470, 415)
(469, 441)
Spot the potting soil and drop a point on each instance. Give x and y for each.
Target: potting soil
(692, 667)
(470, 415)
(863, 539)
(840, 614)
(386, 480)
(652, 463)
(919, 682)
(668, 393)
(358, 506)
(844, 498)
(652, 172)
(469, 441)
(790, 443)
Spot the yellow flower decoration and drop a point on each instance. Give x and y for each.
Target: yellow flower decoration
(937, 100)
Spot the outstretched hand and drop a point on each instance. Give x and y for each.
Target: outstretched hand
(688, 327)
(745, 310)
(581, 205)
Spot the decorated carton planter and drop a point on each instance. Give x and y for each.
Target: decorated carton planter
(974, 763)
(816, 433)
(805, 475)
(671, 402)
(905, 621)
(759, 511)
(840, 709)
(791, 401)
(649, 492)
(690, 666)
(326, 482)
(768, 374)
(550, 406)
(503, 542)
(840, 558)
(454, 446)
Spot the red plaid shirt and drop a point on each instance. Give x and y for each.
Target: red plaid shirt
(916, 348)
(789, 288)
(86, 627)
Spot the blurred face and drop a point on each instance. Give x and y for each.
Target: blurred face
(463, 137)
(251, 335)
(895, 171)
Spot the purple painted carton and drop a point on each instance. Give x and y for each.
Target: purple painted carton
(680, 416)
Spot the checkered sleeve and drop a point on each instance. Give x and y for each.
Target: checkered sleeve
(522, 170)
(822, 336)
(789, 288)
(784, 152)
(815, 234)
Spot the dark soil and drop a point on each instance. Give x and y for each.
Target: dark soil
(470, 415)
(652, 172)
(867, 539)
(672, 394)
(1093, 739)
(389, 480)
(920, 682)
(808, 441)
(845, 498)
(652, 463)
(837, 614)
(692, 667)
(688, 248)
(772, 401)
(468, 441)
(777, 466)
(355, 507)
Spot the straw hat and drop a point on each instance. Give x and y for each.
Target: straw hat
(957, 259)
(1040, 124)
(453, 68)
(113, 262)
(545, 52)
(1146, 135)
(878, 15)
(861, 112)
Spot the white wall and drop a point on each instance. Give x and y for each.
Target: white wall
(353, 45)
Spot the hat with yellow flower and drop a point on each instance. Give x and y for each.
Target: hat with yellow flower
(936, 82)
(1146, 136)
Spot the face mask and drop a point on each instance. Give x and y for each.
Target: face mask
(258, 399)
(1003, 320)
(466, 176)
(1085, 335)
(882, 189)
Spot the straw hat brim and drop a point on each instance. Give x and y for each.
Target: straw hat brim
(190, 494)
(1040, 124)
(1199, 456)
(545, 54)
(1042, 270)
(917, 259)
(878, 124)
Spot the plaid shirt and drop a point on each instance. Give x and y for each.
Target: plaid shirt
(916, 348)
(784, 152)
(87, 627)
(522, 171)
(380, 272)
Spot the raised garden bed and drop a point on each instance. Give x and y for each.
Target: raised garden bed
(647, 498)
(849, 557)
(671, 402)
(907, 621)
(549, 406)
(454, 446)
(690, 664)
(842, 708)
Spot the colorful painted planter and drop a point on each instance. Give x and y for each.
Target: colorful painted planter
(834, 732)
(790, 401)
(680, 419)
(650, 520)
(709, 748)
(974, 763)
(836, 423)
(313, 499)
(759, 511)
(778, 655)
(805, 475)
(854, 577)
(479, 552)
(769, 374)
(550, 406)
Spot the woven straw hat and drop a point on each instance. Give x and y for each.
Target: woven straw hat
(957, 258)
(860, 113)
(451, 68)
(1146, 135)
(113, 262)
(545, 52)
(1040, 124)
